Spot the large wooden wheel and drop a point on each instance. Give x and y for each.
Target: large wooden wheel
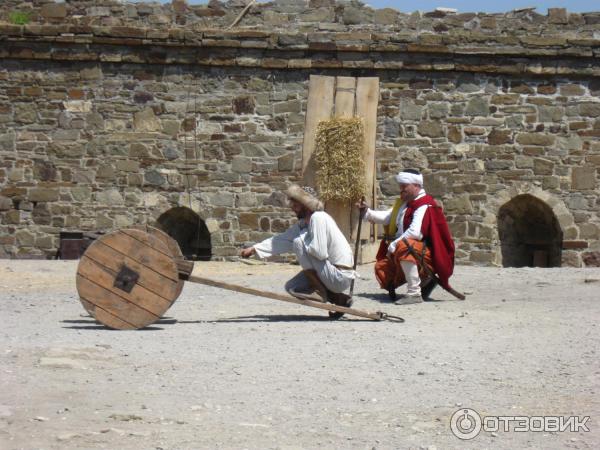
(128, 279)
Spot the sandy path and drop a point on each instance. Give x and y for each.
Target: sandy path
(226, 370)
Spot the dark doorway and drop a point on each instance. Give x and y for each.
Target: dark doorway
(190, 232)
(530, 234)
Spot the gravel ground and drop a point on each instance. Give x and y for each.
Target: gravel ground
(228, 370)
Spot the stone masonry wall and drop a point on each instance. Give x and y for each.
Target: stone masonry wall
(112, 113)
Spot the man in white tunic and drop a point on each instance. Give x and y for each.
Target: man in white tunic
(321, 248)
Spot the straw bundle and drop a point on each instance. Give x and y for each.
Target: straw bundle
(339, 161)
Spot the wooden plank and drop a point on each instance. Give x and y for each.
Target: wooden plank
(135, 245)
(106, 318)
(345, 93)
(286, 298)
(367, 99)
(319, 107)
(115, 305)
(173, 247)
(139, 295)
(151, 280)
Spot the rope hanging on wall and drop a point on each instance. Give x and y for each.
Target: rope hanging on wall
(340, 173)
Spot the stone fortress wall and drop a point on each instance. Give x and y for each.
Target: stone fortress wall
(115, 113)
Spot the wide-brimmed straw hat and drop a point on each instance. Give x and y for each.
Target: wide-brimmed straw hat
(306, 196)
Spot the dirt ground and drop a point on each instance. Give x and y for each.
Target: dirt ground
(228, 370)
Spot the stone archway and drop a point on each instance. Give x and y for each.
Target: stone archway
(189, 230)
(530, 234)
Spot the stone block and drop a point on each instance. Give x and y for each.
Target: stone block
(5, 203)
(43, 195)
(109, 197)
(571, 90)
(248, 221)
(244, 104)
(499, 136)
(241, 164)
(558, 15)
(589, 109)
(12, 217)
(146, 121)
(285, 163)
(53, 11)
(431, 129)
(478, 106)
(25, 238)
(222, 199)
(535, 139)
(154, 178)
(481, 257)
(591, 259)
(246, 200)
(583, 178)
(459, 205)
(410, 111)
(550, 113)
(571, 259)
(543, 166)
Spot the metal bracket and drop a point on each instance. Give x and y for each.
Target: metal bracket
(126, 279)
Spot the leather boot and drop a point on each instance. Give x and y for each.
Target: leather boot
(316, 283)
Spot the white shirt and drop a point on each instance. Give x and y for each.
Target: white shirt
(414, 229)
(322, 239)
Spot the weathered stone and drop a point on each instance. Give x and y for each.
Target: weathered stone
(589, 109)
(558, 15)
(499, 136)
(154, 178)
(8, 141)
(25, 238)
(53, 11)
(410, 111)
(241, 164)
(146, 121)
(454, 135)
(43, 195)
(543, 166)
(285, 163)
(248, 221)
(5, 203)
(431, 129)
(81, 194)
(535, 139)
(477, 106)
(459, 205)
(583, 178)
(591, 259)
(222, 199)
(244, 104)
(109, 197)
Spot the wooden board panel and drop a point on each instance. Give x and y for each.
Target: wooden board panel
(367, 99)
(320, 107)
(147, 298)
(345, 93)
(114, 304)
(171, 244)
(104, 277)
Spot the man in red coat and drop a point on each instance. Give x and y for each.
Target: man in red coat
(417, 235)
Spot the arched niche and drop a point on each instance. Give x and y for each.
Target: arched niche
(530, 234)
(189, 230)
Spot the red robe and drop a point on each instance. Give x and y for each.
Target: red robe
(437, 234)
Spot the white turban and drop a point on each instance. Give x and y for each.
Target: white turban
(409, 178)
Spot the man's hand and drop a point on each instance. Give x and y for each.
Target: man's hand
(247, 252)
